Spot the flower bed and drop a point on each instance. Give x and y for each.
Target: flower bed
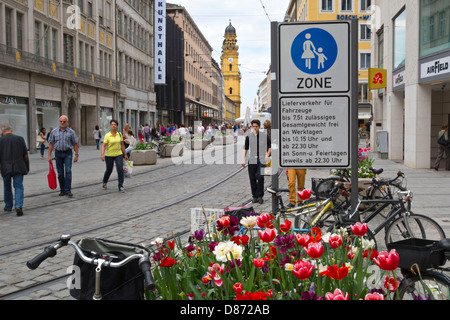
(272, 264)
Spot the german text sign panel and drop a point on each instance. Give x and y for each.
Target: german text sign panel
(314, 131)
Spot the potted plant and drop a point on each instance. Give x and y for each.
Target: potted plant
(198, 142)
(224, 137)
(172, 146)
(143, 154)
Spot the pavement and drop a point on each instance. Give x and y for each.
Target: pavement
(431, 191)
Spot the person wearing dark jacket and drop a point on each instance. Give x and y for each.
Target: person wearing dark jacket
(14, 164)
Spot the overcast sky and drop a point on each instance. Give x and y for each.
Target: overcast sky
(251, 18)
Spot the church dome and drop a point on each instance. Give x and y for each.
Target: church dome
(230, 29)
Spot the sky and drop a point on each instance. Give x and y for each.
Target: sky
(251, 19)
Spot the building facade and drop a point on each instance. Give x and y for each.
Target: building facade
(230, 67)
(171, 95)
(197, 70)
(136, 100)
(90, 60)
(339, 10)
(412, 42)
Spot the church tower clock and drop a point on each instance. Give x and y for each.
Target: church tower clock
(230, 67)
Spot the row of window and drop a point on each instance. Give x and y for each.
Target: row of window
(195, 91)
(132, 72)
(345, 5)
(133, 32)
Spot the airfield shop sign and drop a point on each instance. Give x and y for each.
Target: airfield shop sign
(314, 94)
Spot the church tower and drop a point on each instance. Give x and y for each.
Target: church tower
(230, 67)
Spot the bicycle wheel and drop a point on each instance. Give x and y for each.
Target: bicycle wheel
(161, 150)
(432, 282)
(413, 226)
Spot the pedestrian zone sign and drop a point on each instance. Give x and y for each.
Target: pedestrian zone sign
(314, 58)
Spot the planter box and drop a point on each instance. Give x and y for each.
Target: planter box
(197, 144)
(221, 140)
(173, 150)
(143, 157)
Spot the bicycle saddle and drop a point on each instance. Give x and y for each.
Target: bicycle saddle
(444, 244)
(276, 190)
(376, 171)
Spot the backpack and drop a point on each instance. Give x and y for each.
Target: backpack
(441, 140)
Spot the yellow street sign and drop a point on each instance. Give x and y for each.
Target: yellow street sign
(377, 78)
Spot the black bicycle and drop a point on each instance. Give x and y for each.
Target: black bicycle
(422, 267)
(104, 269)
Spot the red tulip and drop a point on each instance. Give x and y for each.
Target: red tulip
(391, 284)
(303, 270)
(304, 194)
(258, 262)
(387, 261)
(336, 295)
(267, 235)
(263, 221)
(335, 273)
(316, 234)
(303, 239)
(286, 226)
(225, 221)
(238, 287)
(335, 241)
(314, 250)
(167, 262)
(359, 229)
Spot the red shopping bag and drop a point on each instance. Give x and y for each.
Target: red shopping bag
(51, 177)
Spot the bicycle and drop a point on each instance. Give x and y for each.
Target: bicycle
(399, 223)
(160, 147)
(422, 267)
(105, 257)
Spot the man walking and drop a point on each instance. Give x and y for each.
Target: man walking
(64, 141)
(14, 165)
(257, 145)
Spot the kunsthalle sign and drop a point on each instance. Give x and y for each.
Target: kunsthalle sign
(314, 94)
(160, 41)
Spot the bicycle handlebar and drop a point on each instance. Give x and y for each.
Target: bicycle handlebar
(51, 250)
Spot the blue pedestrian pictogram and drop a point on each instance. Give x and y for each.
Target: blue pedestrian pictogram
(314, 51)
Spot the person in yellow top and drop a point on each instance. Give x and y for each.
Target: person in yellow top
(115, 152)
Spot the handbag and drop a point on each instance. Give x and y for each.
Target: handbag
(51, 177)
(128, 169)
(442, 141)
(39, 139)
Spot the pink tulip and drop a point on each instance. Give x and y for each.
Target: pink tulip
(267, 235)
(302, 270)
(374, 296)
(335, 241)
(314, 250)
(336, 295)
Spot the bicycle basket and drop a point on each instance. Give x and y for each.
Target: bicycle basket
(124, 283)
(322, 187)
(425, 253)
(204, 218)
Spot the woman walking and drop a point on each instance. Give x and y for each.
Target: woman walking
(115, 153)
(97, 136)
(42, 146)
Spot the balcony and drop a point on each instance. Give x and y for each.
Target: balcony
(20, 59)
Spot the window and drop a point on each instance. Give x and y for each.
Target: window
(364, 60)
(100, 12)
(364, 5)
(108, 14)
(46, 42)
(231, 90)
(89, 8)
(434, 26)
(54, 43)
(381, 50)
(366, 33)
(400, 40)
(327, 5)
(81, 5)
(37, 37)
(346, 5)
(119, 22)
(68, 49)
(8, 25)
(363, 92)
(19, 31)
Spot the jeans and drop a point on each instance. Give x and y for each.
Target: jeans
(256, 181)
(64, 167)
(109, 168)
(42, 149)
(97, 141)
(18, 190)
